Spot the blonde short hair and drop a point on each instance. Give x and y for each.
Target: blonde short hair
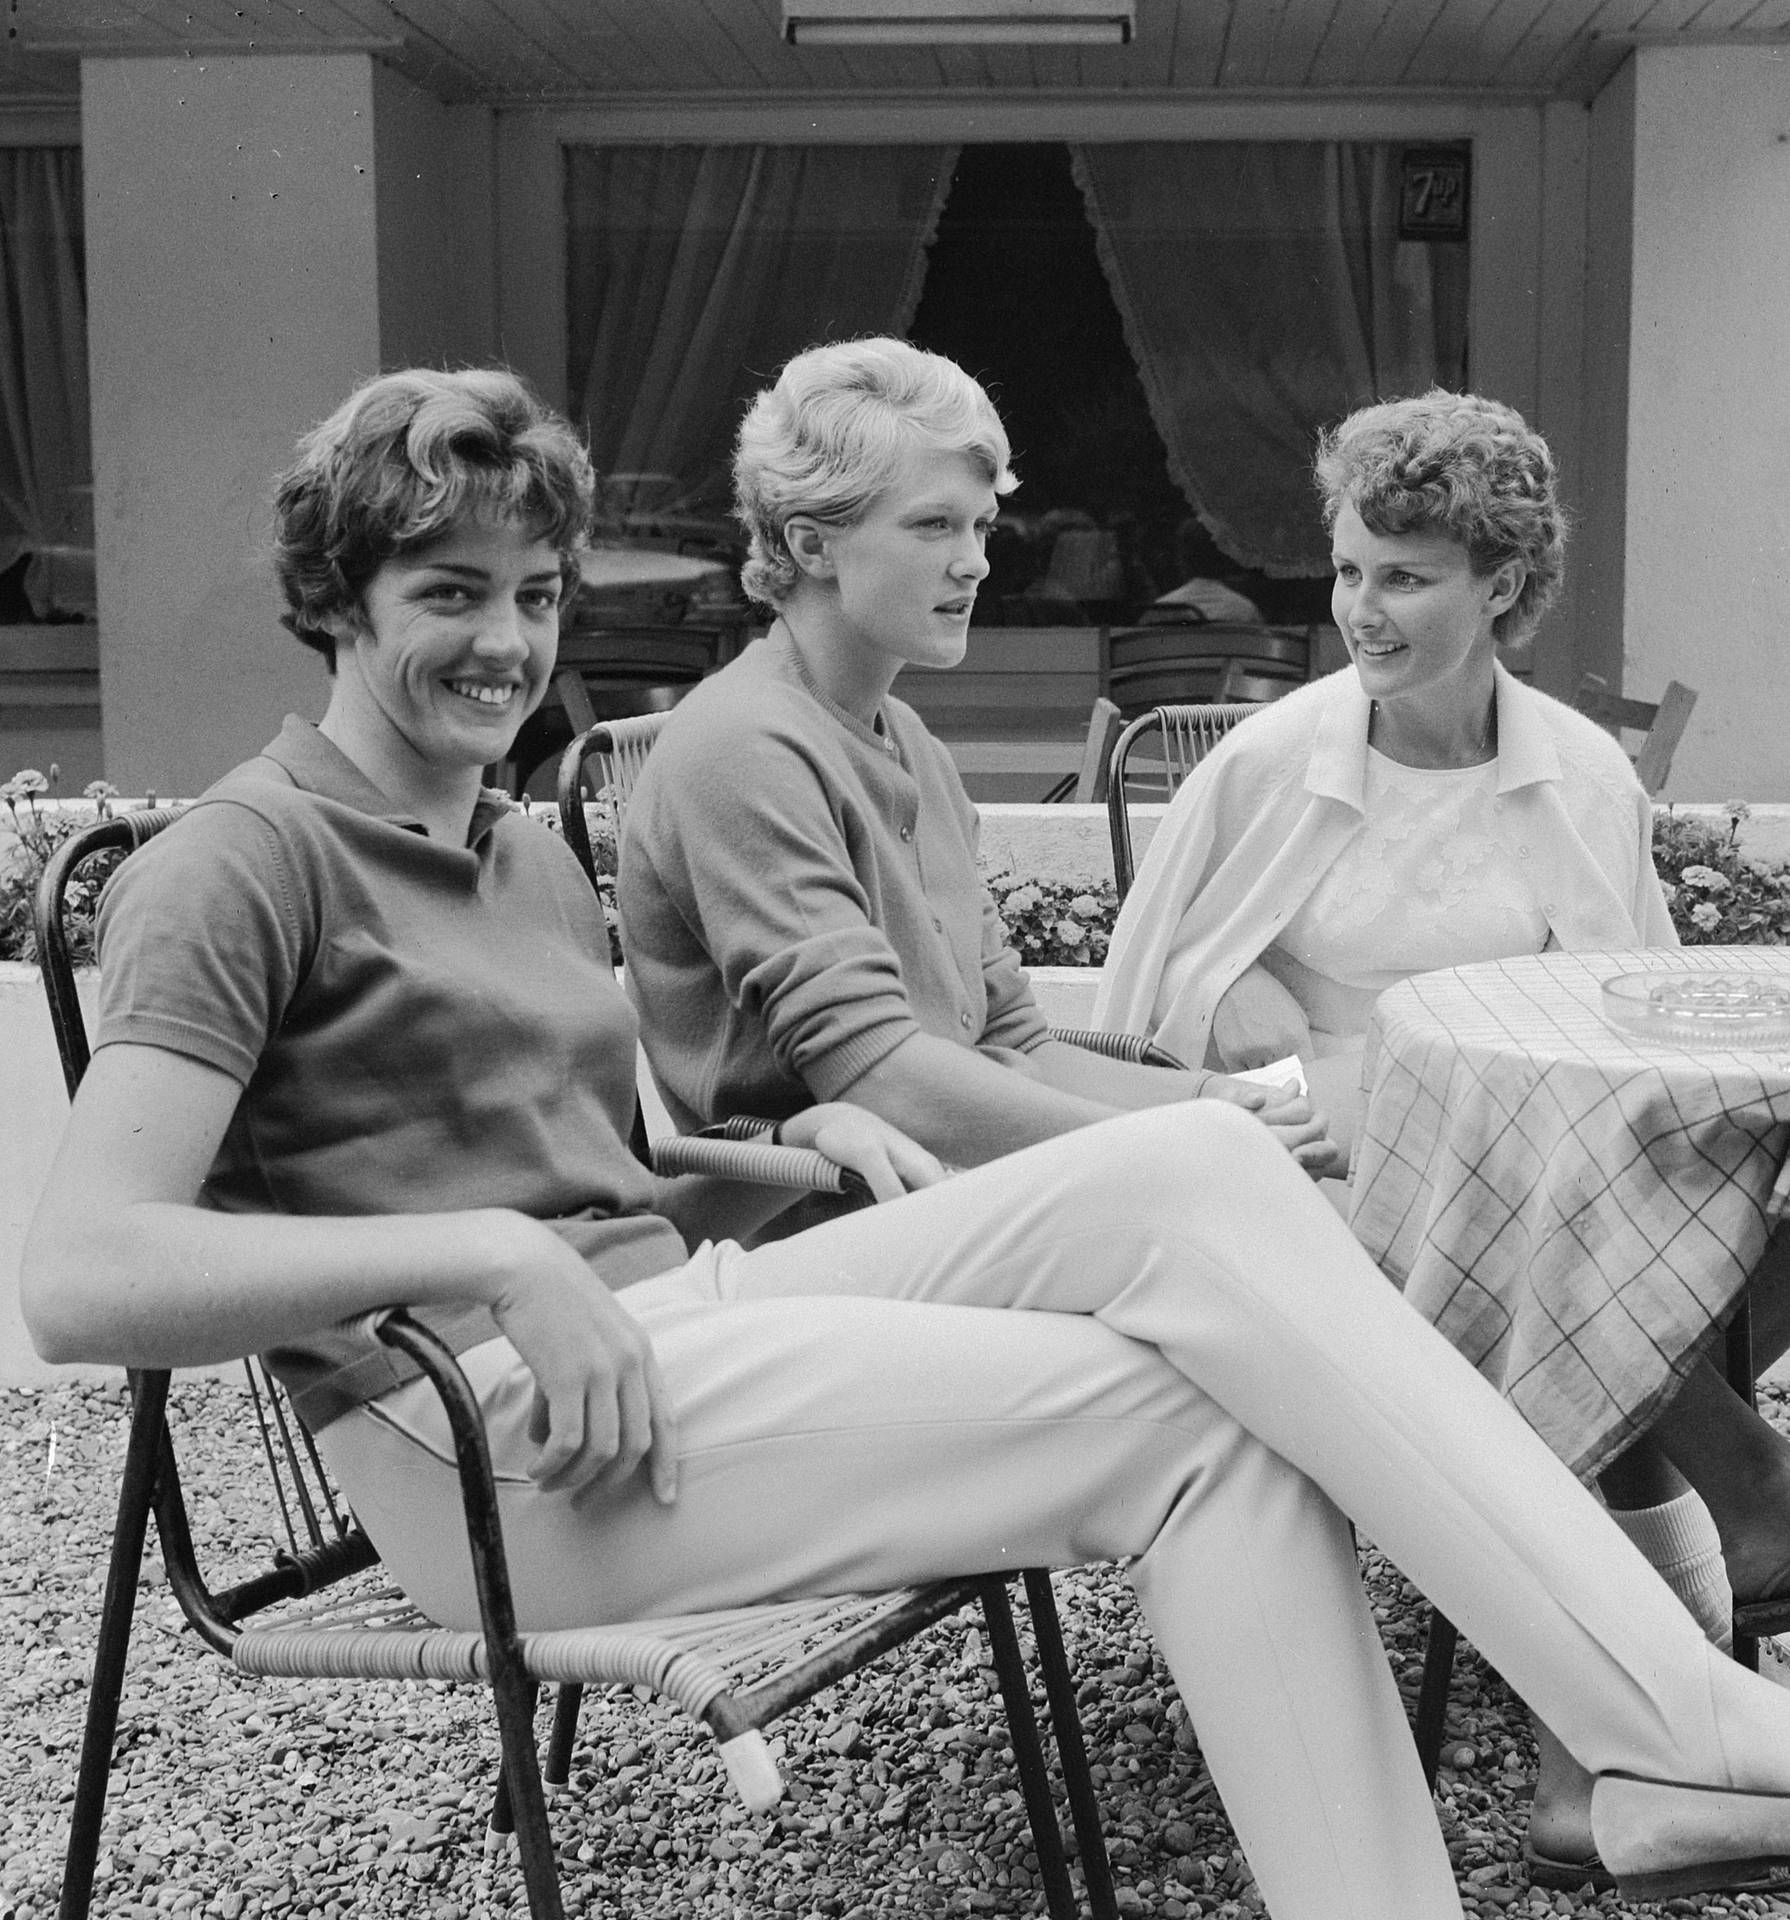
(1458, 464)
(832, 432)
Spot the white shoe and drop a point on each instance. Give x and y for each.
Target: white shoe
(1661, 1839)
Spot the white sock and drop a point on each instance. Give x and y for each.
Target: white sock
(1679, 1541)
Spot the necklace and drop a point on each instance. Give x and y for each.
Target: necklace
(1427, 758)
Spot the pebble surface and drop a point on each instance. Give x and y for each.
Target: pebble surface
(233, 1798)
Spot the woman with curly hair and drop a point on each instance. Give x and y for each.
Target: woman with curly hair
(1422, 811)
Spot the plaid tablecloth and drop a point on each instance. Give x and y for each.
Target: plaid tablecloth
(1573, 1207)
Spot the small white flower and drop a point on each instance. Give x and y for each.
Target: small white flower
(1706, 916)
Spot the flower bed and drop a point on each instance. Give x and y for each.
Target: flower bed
(40, 824)
(1719, 897)
(1056, 923)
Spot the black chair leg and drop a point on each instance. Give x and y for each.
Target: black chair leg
(149, 1406)
(1028, 1750)
(1738, 1367)
(1432, 1697)
(565, 1733)
(522, 1792)
(500, 1822)
(1072, 1751)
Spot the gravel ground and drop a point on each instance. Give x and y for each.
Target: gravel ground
(236, 1798)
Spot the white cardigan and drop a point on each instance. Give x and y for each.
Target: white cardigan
(1261, 819)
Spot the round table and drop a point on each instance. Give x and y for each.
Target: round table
(1572, 1206)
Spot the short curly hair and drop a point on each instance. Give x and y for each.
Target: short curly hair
(829, 435)
(1459, 464)
(401, 462)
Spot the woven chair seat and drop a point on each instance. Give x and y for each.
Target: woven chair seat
(691, 1658)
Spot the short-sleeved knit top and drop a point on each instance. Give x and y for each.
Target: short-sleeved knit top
(416, 1027)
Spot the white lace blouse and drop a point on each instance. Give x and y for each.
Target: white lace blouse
(1425, 883)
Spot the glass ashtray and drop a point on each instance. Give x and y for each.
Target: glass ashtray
(1701, 1009)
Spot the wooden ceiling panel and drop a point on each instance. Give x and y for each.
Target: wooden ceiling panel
(1199, 31)
(1301, 29)
(653, 43)
(1454, 47)
(1153, 53)
(1369, 36)
(518, 50)
(1560, 39)
(746, 33)
(471, 48)
(1518, 33)
(1254, 33)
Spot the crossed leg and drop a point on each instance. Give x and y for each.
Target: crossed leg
(1210, 1370)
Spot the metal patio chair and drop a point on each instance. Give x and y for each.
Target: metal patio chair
(1161, 663)
(322, 1608)
(1154, 754)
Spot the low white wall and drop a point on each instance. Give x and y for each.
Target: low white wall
(1073, 843)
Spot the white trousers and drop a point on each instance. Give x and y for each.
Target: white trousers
(1207, 1373)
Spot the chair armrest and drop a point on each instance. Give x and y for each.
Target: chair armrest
(1118, 1046)
(800, 1168)
(395, 1327)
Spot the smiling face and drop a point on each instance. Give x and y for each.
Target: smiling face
(896, 587)
(452, 651)
(1417, 618)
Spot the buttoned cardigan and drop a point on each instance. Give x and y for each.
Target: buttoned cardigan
(799, 895)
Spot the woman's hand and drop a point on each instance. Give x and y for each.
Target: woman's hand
(1258, 1022)
(600, 1404)
(882, 1156)
(1291, 1118)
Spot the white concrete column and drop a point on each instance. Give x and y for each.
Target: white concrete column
(1696, 448)
(262, 233)
(232, 299)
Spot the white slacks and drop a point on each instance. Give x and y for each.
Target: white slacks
(1206, 1372)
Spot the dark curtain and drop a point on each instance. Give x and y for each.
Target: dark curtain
(46, 466)
(694, 272)
(1264, 293)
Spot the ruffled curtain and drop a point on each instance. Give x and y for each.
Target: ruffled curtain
(1265, 293)
(46, 466)
(694, 272)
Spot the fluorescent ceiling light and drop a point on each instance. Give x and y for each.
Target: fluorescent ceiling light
(934, 23)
